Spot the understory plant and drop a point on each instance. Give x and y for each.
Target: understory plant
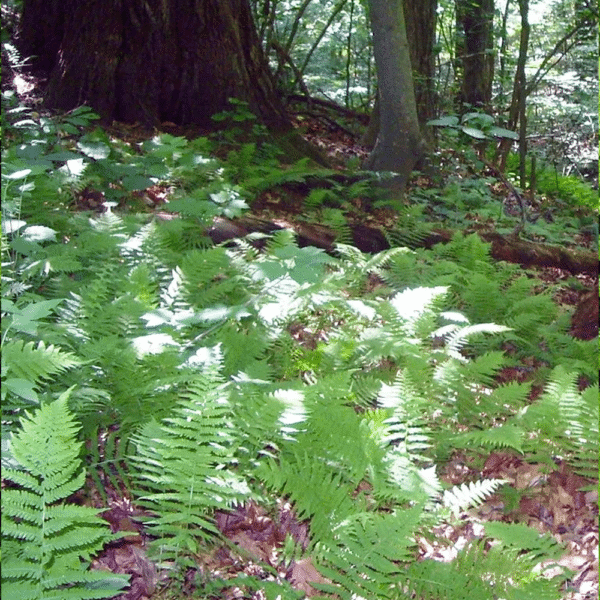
(205, 376)
(46, 541)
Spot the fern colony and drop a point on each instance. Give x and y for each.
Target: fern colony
(216, 375)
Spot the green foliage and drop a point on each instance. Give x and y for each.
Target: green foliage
(507, 570)
(204, 376)
(477, 125)
(567, 189)
(566, 417)
(184, 467)
(44, 541)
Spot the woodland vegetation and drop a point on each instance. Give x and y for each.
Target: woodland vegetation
(300, 298)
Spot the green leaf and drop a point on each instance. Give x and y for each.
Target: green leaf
(26, 318)
(93, 148)
(482, 118)
(136, 182)
(22, 388)
(503, 133)
(449, 121)
(475, 133)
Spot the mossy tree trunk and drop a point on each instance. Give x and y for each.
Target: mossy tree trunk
(151, 61)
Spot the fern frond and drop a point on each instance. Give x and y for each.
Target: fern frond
(35, 362)
(471, 494)
(411, 236)
(402, 269)
(505, 436)
(318, 491)
(108, 460)
(459, 339)
(207, 278)
(583, 420)
(183, 467)
(57, 536)
(365, 387)
(523, 538)
(563, 414)
(365, 557)
(501, 571)
(281, 238)
(336, 220)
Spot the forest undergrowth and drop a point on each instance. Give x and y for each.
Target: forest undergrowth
(258, 418)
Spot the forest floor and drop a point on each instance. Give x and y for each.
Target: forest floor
(548, 502)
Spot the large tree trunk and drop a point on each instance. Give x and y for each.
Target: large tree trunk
(475, 45)
(152, 60)
(399, 144)
(421, 18)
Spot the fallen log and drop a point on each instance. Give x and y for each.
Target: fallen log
(373, 239)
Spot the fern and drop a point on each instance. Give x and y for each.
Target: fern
(504, 436)
(44, 540)
(234, 373)
(468, 495)
(35, 362)
(563, 415)
(319, 492)
(506, 570)
(513, 535)
(366, 557)
(183, 467)
(25, 366)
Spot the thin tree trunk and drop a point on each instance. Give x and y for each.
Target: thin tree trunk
(349, 53)
(399, 144)
(522, 83)
(503, 47)
(519, 90)
(421, 19)
(476, 21)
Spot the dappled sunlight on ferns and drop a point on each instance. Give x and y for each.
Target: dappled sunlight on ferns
(219, 375)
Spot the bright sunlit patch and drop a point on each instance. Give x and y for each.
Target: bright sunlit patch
(22, 85)
(411, 304)
(295, 410)
(154, 343)
(206, 357)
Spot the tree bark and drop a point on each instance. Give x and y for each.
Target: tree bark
(519, 97)
(151, 61)
(475, 33)
(421, 18)
(399, 143)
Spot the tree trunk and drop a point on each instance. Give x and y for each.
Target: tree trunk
(519, 97)
(421, 18)
(152, 61)
(399, 143)
(475, 45)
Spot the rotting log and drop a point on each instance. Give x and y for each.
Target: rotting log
(373, 239)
